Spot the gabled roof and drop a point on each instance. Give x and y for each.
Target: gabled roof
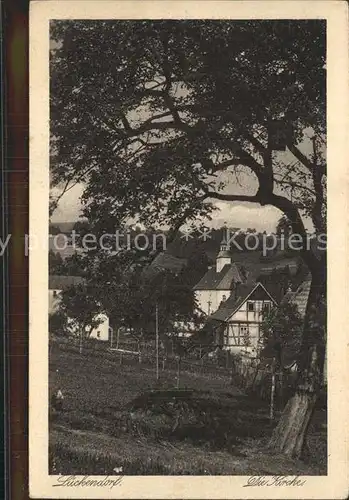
(168, 261)
(163, 262)
(57, 282)
(233, 303)
(222, 280)
(300, 296)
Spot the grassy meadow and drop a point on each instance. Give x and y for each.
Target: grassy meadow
(119, 419)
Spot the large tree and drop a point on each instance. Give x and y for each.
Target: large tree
(160, 118)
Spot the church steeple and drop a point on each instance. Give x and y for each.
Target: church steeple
(224, 244)
(223, 257)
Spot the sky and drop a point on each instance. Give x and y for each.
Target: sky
(244, 215)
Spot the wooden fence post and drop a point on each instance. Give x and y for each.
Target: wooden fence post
(272, 394)
(281, 389)
(178, 371)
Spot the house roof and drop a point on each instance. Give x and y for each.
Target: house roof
(300, 296)
(57, 282)
(222, 280)
(233, 303)
(167, 261)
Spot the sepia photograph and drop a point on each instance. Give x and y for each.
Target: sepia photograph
(186, 266)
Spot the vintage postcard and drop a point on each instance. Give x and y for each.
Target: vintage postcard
(188, 244)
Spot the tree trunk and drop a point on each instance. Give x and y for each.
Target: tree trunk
(289, 436)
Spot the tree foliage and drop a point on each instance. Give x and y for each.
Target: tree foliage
(183, 111)
(55, 262)
(81, 306)
(283, 227)
(57, 323)
(124, 287)
(283, 326)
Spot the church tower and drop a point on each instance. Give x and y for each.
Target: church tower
(223, 257)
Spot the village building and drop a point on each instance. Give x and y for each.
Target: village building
(219, 282)
(56, 286)
(237, 322)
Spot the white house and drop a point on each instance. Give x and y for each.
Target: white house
(238, 320)
(59, 283)
(218, 283)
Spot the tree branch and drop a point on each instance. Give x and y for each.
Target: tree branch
(231, 197)
(300, 156)
(255, 142)
(292, 184)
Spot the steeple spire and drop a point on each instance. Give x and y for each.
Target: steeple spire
(223, 258)
(224, 243)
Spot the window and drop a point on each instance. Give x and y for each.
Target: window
(240, 335)
(250, 306)
(244, 337)
(224, 298)
(55, 293)
(266, 308)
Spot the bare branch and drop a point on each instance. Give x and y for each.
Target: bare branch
(231, 197)
(300, 156)
(293, 184)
